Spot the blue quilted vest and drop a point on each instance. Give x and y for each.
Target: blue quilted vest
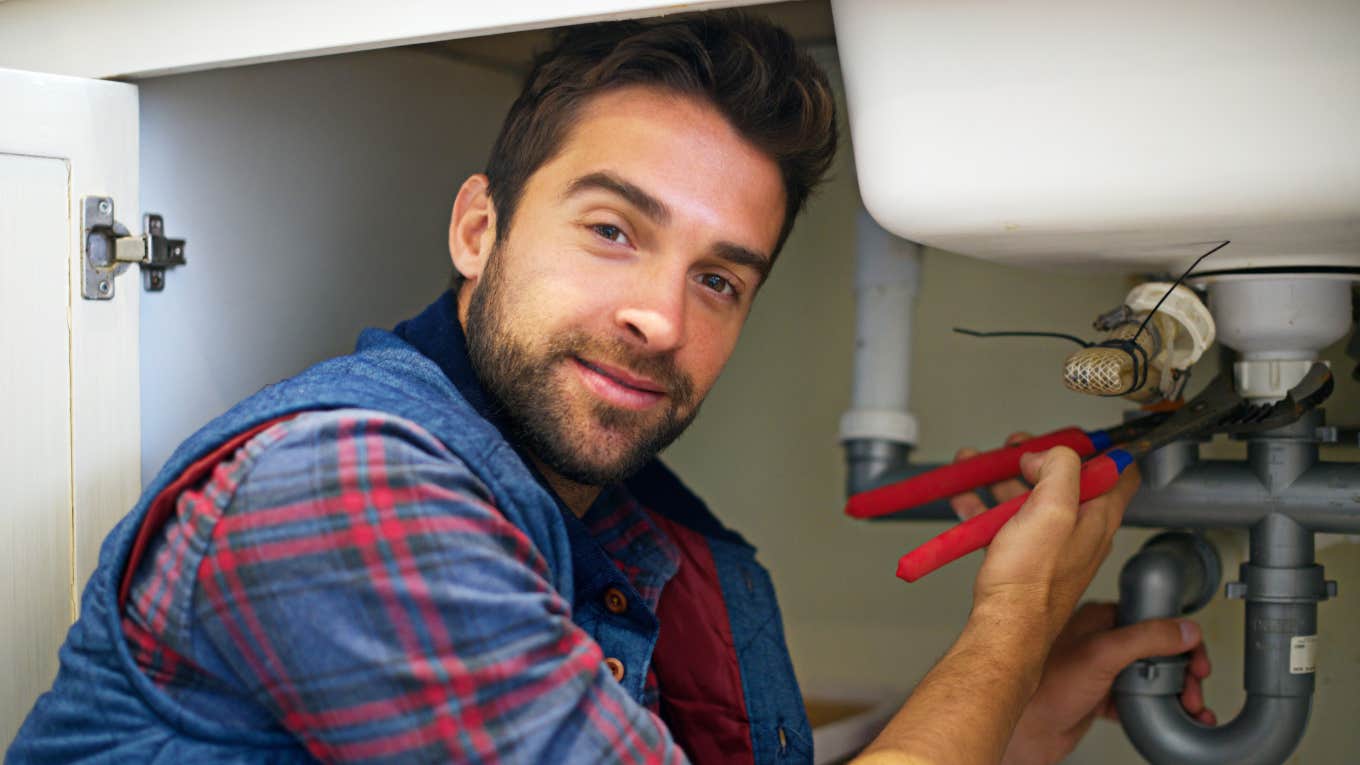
(103, 709)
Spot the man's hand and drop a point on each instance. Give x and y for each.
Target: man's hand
(1082, 666)
(1089, 652)
(966, 710)
(1041, 561)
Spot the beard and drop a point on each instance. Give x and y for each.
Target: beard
(603, 444)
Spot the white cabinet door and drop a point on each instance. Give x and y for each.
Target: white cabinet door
(69, 435)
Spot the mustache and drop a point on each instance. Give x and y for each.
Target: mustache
(661, 368)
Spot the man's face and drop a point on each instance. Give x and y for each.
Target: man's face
(604, 318)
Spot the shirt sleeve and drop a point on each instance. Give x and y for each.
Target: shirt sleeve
(364, 588)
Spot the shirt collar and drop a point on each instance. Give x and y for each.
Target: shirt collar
(641, 549)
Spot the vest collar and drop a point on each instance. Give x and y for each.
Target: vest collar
(438, 334)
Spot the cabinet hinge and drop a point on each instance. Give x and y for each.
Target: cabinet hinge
(107, 249)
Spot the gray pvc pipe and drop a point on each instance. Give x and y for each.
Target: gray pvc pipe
(1229, 495)
(1174, 573)
(874, 462)
(1265, 732)
(1168, 578)
(1281, 476)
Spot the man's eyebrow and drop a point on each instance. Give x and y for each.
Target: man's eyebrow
(645, 203)
(655, 209)
(742, 256)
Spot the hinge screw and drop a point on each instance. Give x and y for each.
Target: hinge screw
(105, 207)
(103, 288)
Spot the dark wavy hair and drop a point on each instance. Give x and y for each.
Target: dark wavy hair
(771, 92)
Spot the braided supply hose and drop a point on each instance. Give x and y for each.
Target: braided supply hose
(1117, 370)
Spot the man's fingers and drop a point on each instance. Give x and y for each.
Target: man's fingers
(1113, 650)
(967, 505)
(1056, 477)
(1199, 662)
(1029, 466)
(1125, 487)
(1109, 652)
(1029, 548)
(1192, 697)
(1101, 517)
(1008, 490)
(1118, 497)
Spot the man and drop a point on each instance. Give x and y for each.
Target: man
(456, 544)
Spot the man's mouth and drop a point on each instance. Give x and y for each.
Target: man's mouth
(618, 386)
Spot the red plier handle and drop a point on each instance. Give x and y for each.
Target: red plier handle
(979, 470)
(1097, 477)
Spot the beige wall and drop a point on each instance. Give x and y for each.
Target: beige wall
(764, 453)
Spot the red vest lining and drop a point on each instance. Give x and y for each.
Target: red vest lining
(164, 503)
(702, 701)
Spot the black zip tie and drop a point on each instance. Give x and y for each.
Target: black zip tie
(975, 333)
(1176, 284)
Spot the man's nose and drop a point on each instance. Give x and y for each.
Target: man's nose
(654, 313)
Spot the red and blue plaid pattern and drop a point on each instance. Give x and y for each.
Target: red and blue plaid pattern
(346, 578)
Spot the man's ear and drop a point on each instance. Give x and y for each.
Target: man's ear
(472, 228)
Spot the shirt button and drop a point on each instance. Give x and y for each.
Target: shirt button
(615, 600)
(615, 668)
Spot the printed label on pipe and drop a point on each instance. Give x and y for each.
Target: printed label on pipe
(1303, 654)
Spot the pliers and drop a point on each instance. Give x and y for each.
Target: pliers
(1217, 409)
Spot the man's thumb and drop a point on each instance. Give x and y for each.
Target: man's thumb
(1120, 647)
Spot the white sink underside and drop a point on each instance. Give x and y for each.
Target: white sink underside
(1131, 135)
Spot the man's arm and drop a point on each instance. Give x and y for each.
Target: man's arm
(1086, 658)
(1081, 670)
(965, 710)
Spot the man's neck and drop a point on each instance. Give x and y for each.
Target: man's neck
(578, 497)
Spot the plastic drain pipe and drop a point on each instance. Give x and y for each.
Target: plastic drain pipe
(1282, 475)
(1282, 587)
(879, 432)
(1277, 324)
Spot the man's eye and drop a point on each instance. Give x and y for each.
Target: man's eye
(612, 233)
(718, 284)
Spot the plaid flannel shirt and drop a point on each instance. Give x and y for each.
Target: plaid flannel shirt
(345, 577)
